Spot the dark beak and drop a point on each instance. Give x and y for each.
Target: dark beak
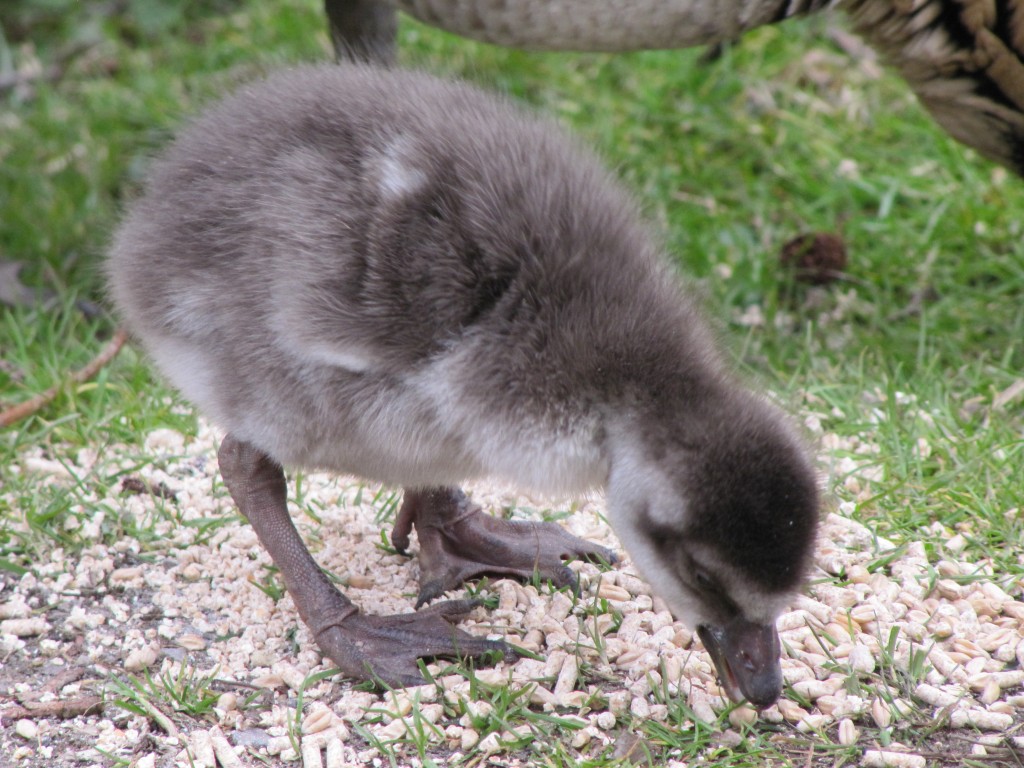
(746, 657)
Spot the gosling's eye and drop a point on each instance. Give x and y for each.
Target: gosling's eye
(710, 589)
(705, 582)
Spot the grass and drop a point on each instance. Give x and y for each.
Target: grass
(783, 134)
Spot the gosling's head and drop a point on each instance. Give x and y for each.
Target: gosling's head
(718, 509)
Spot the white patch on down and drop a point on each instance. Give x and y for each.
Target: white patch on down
(397, 177)
(189, 370)
(351, 357)
(190, 310)
(524, 452)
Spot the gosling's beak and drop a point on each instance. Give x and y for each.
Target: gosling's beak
(746, 656)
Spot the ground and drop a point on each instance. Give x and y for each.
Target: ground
(183, 633)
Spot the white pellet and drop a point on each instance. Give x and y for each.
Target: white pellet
(877, 758)
(311, 757)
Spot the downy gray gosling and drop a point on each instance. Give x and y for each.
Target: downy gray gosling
(398, 277)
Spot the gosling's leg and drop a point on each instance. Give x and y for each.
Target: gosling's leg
(458, 541)
(363, 647)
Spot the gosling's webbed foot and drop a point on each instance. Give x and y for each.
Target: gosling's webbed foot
(458, 541)
(363, 646)
(387, 648)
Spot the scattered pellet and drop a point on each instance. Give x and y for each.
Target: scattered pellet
(27, 729)
(935, 696)
(848, 733)
(792, 711)
(489, 743)
(29, 627)
(744, 715)
(581, 738)
(861, 659)
(268, 681)
(140, 658)
(201, 749)
(983, 719)
(877, 758)
(224, 752)
(881, 713)
(990, 693)
(319, 718)
(566, 681)
(971, 631)
(469, 739)
(311, 757)
(15, 608)
(191, 642)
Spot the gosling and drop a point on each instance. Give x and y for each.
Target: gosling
(399, 277)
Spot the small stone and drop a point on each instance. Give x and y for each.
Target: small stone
(251, 737)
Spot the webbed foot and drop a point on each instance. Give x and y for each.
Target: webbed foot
(366, 647)
(458, 541)
(388, 648)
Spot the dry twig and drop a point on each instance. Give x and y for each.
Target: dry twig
(60, 708)
(23, 410)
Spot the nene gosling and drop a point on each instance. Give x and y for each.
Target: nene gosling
(402, 278)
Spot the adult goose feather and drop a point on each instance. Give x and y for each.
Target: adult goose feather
(964, 59)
